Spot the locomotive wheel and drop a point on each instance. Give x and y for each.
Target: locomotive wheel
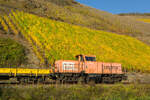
(58, 81)
(103, 79)
(110, 80)
(106, 80)
(81, 80)
(98, 80)
(87, 80)
(92, 81)
(118, 79)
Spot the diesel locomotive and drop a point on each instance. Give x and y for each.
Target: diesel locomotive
(85, 69)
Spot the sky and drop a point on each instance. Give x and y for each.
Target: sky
(119, 6)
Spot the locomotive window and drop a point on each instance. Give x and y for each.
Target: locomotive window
(90, 58)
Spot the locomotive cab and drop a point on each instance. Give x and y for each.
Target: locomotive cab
(84, 58)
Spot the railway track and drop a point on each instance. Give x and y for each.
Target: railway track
(54, 83)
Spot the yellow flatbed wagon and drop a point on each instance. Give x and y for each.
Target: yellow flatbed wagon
(24, 71)
(24, 74)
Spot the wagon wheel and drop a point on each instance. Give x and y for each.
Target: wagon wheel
(20, 80)
(35, 81)
(23, 80)
(40, 80)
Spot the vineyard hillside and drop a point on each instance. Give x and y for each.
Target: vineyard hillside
(53, 40)
(72, 12)
(144, 20)
(142, 17)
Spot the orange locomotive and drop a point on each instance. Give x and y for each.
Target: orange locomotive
(87, 69)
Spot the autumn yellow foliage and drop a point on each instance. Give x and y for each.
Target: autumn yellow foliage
(54, 40)
(144, 20)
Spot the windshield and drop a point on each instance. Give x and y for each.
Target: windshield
(90, 58)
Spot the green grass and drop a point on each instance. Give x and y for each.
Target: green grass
(54, 40)
(75, 92)
(12, 54)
